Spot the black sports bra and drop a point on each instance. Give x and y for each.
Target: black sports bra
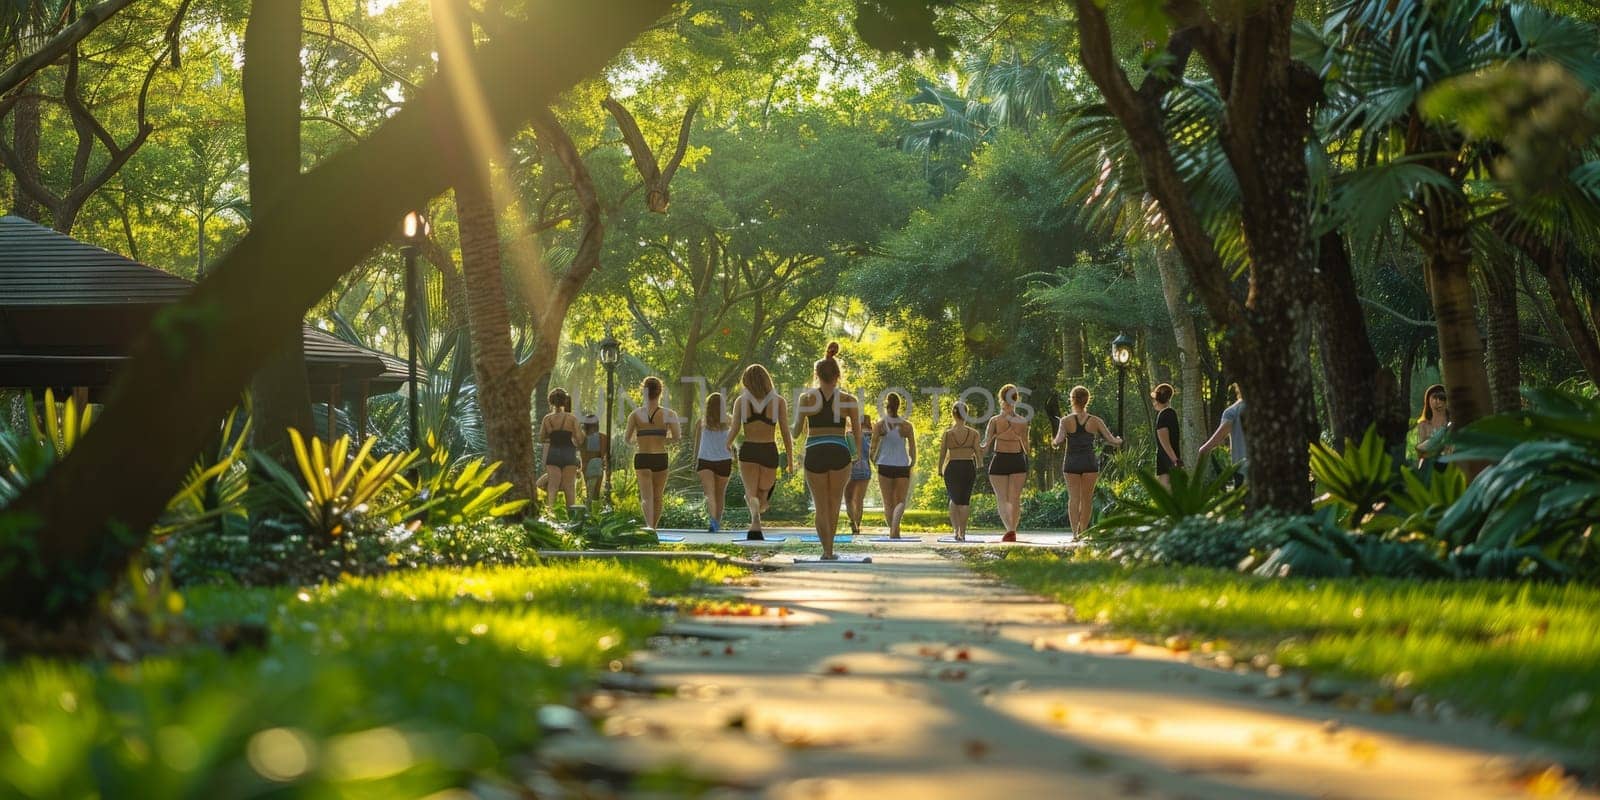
(824, 417)
(652, 431)
(752, 416)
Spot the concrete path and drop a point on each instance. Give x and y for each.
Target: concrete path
(912, 677)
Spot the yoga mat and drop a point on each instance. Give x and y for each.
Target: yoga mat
(901, 540)
(839, 560)
(768, 540)
(669, 538)
(814, 539)
(970, 540)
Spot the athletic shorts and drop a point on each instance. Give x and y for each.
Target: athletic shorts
(892, 471)
(655, 462)
(958, 479)
(827, 457)
(722, 468)
(1008, 464)
(762, 453)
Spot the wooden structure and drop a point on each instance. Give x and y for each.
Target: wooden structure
(69, 312)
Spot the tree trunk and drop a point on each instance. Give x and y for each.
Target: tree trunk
(205, 347)
(1551, 260)
(25, 141)
(271, 87)
(1408, 369)
(1360, 392)
(1505, 338)
(1191, 400)
(1447, 266)
(1072, 352)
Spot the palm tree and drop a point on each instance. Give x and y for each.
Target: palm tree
(1386, 56)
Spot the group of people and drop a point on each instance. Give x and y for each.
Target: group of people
(843, 447)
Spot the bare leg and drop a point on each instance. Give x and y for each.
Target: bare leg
(828, 502)
(998, 483)
(647, 496)
(855, 498)
(1014, 484)
(552, 484)
(754, 493)
(1086, 484)
(894, 502)
(658, 491)
(569, 485)
(817, 483)
(1165, 480)
(958, 519)
(720, 494)
(708, 484)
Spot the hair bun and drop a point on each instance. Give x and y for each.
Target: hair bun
(833, 349)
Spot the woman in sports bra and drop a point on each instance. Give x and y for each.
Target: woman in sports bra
(1081, 465)
(758, 412)
(714, 462)
(651, 427)
(828, 415)
(559, 432)
(855, 492)
(894, 450)
(958, 463)
(1007, 434)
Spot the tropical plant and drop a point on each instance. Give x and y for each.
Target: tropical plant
(1316, 546)
(603, 530)
(214, 494)
(1414, 508)
(1190, 495)
(1355, 480)
(460, 490)
(1544, 489)
(336, 493)
(26, 454)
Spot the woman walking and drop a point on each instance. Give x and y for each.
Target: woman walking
(828, 415)
(894, 447)
(1435, 417)
(651, 427)
(1168, 451)
(715, 461)
(1007, 435)
(1081, 465)
(855, 492)
(958, 463)
(559, 432)
(758, 412)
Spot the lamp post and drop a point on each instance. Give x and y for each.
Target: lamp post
(610, 354)
(413, 230)
(1121, 354)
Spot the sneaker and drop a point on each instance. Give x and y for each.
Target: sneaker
(714, 526)
(1010, 536)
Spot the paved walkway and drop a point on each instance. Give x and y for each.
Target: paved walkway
(912, 677)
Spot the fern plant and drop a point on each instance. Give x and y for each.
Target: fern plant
(336, 493)
(1415, 507)
(1358, 479)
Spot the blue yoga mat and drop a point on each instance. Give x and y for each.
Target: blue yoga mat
(669, 538)
(901, 540)
(970, 540)
(814, 539)
(839, 560)
(768, 540)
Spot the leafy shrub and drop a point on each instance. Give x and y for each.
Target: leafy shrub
(460, 491)
(1543, 491)
(335, 493)
(1414, 507)
(1046, 510)
(1205, 542)
(25, 455)
(1356, 480)
(685, 513)
(603, 530)
(1191, 495)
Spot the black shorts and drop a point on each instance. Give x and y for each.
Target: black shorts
(1009, 464)
(722, 468)
(827, 457)
(958, 479)
(1164, 465)
(561, 457)
(655, 462)
(763, 453)
(892, 471)
(1080, 462)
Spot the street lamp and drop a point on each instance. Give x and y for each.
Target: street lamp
(413, 231)
(1121, 354)
(610, 354)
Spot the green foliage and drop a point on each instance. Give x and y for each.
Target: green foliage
(1523, 653)
(25, 455)
(213, 496)
(1356, 480)
(1543, 491)
(1191, 494)
(1194, 541)
(1414, 507)
(603, 530)
(461, 492)
(336, 493)
(397, 686)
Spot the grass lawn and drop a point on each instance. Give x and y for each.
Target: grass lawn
(1528, 655)
(397, 686)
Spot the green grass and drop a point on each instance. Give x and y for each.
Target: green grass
(1528, 655)
(395, 686)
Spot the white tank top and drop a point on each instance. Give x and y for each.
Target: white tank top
(892, 448)
(713, 445)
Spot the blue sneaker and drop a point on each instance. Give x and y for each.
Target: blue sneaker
(715, 527)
